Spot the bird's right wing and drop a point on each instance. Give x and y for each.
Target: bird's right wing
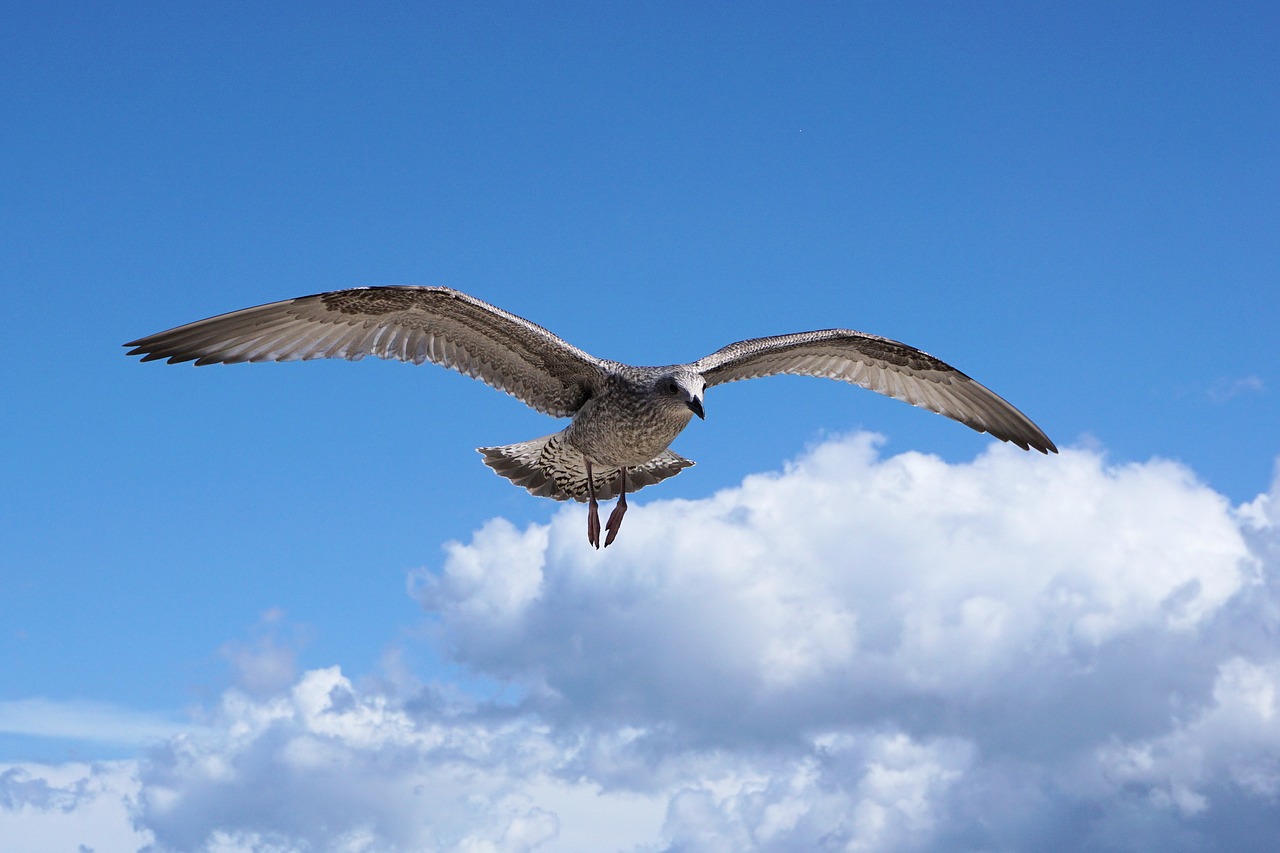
(878, 364)
(415, 324)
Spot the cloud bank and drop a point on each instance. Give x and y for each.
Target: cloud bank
(857, 653)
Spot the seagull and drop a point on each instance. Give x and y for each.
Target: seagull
(623, 418)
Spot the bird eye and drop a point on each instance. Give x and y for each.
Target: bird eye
(672, 388)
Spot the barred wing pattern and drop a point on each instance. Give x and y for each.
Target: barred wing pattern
(405, 323)
(881, 365)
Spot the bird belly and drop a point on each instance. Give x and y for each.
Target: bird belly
(620, 443)
(618, 451)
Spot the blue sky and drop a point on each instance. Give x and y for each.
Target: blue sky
(1077, 205)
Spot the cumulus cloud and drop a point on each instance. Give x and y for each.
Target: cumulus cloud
(68, 807)
(856, 653)
(1026, 628)
(851, 588)
(326, 766)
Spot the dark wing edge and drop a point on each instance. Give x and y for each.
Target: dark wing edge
(401, 323)
(881, 365)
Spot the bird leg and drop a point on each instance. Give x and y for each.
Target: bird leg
(593, 510)
(615, 517)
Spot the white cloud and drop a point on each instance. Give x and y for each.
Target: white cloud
(850, 584)
(68, 807)
(1234, 741)
(858, 653)
(329, 766)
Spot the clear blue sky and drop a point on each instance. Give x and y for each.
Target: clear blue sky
(1077, 204)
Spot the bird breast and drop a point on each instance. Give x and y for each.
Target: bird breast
(625, 429)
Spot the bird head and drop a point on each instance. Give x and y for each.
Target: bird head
(683, 388)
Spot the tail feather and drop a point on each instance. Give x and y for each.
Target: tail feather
(549, 468)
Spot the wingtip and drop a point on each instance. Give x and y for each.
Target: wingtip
(140, 348)
(157, 355)
(1038, 442)
(1041, 443)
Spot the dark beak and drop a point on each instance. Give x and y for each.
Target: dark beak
(695, 405)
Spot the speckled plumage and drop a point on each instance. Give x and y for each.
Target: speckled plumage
(623, 417)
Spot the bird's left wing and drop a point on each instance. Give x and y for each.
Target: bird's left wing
(415, 324)
(878, 364)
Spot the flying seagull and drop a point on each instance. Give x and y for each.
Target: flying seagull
(624, 418)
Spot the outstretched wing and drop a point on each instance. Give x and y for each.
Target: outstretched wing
(881, 365)
(416, 324)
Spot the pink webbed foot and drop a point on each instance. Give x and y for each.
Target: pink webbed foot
(593, 523)
(593, 510)
(615, 518)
